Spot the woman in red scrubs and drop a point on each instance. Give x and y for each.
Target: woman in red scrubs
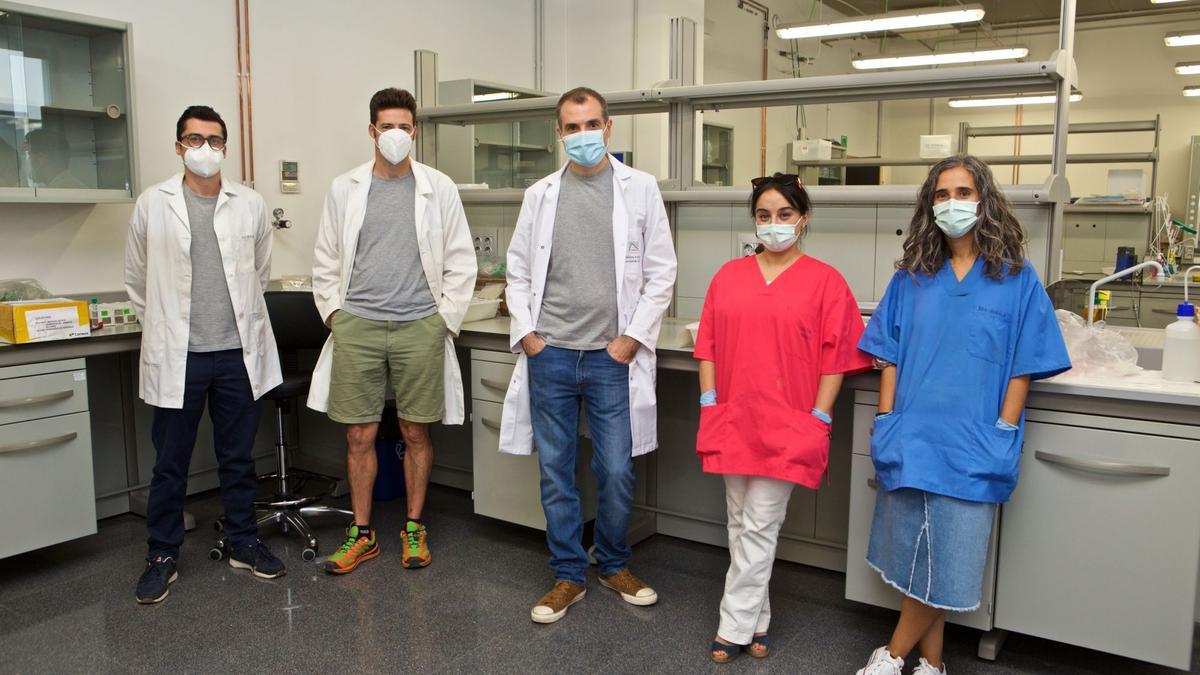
(778, 331)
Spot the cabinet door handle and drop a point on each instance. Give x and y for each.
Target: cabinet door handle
(490, 423)
(493, 384)
(872, 483)
(36, 400)
(39, 444)
(1102, 466)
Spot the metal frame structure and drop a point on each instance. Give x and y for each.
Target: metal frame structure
(682, 99)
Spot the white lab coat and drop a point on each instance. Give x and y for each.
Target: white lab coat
(644, 256)
(158, 279)
(447, 257)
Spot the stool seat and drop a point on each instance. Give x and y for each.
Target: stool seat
(293, 385)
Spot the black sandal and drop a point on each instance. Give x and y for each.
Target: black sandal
(723, 653)
(759, 647)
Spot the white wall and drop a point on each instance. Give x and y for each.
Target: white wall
(315, 66)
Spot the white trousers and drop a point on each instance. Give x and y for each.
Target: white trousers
(757, 507)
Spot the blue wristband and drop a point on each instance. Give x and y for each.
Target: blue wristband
(1004, 425)
(708, 398)
(823, 416)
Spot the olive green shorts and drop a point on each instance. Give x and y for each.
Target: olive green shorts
(366, 353)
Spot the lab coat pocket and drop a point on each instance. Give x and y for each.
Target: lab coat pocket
(988, 336)
(885, 441)
(999, 452)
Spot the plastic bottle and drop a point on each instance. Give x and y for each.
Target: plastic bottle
(94, 313)
(1181, 351)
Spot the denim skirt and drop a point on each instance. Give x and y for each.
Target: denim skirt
(930, 547)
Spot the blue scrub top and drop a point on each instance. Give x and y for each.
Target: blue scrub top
(956, 344)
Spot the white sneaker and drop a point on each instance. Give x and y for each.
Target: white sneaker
(923, 668)
(882, 663)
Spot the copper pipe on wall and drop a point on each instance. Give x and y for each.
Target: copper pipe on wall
(237, 11)
(766, 13)
(249, 97)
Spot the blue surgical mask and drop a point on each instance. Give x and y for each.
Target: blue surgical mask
(585, 148)
(955, 217)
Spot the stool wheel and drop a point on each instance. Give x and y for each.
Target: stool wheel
(217, 552)
(219, 525)
(309, 554)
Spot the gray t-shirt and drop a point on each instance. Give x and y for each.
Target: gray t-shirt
(212, 326)
(579, 304)
(388, 282)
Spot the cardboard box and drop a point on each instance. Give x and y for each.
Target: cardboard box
(43, 320)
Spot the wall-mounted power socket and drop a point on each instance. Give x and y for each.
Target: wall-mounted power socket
(487, 242)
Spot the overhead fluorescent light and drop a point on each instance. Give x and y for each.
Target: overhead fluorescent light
(1191, 91)
(939, 59)
(493, 96)
(1182, 39)
(875, 23)
(1165, 2)
(1008, 100)
(1187, 68)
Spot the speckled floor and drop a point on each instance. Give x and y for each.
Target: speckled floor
(70, 608)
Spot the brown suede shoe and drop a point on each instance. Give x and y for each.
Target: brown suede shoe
(632, 590)
(553, 605)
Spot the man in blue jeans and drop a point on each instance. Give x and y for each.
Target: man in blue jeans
(197, 259)
(590, 272)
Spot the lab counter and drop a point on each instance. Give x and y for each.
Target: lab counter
(1108, 470)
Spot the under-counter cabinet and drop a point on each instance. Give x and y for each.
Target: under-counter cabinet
(1099, 544)
(46, 488)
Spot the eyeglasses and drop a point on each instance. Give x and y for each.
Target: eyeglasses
(196, 140)
(777, 179)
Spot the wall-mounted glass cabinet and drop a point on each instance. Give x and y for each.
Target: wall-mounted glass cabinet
(501, 154)
(65, 122)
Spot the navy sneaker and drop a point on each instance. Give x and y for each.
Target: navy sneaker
(159, 575)
(258, 559)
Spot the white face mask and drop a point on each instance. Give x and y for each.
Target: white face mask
(394, 145)
(777, 237)
(203, 161)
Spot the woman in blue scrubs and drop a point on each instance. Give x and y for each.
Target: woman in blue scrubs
(963, 328)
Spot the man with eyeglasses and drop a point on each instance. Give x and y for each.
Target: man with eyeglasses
(393, 273)
(197, 260)
(590, 272)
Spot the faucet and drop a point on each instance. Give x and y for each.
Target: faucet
(1123, 273)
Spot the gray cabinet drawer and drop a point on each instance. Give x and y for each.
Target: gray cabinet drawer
(506, 486)
(46, 489)
(1102, 540)
(489, 380)
(38, 396)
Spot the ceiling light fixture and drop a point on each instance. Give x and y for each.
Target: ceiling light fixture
(939, 59)
(1187, 68)
(1191, 91)
(1040, 99)
(493, 96)
(1165, 2)
(1182, 39)
(893, 21)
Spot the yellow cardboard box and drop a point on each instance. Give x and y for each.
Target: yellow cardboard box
(42, 320)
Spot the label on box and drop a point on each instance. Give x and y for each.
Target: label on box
(52, 323)
(80, 375)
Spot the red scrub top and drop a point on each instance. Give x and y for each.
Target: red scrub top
(770, 344)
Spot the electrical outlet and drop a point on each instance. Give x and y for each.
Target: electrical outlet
(487, 242)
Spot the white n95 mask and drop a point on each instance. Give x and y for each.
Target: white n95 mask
(203, 161)
(394, 145)
(777, 237)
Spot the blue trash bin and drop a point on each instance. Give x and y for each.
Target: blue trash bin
(389, 481)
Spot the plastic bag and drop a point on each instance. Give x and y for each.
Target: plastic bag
(1096, 350)
(491, 266)
(22, 289)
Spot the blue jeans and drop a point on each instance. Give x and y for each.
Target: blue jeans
(559, 380)
(218, 378)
